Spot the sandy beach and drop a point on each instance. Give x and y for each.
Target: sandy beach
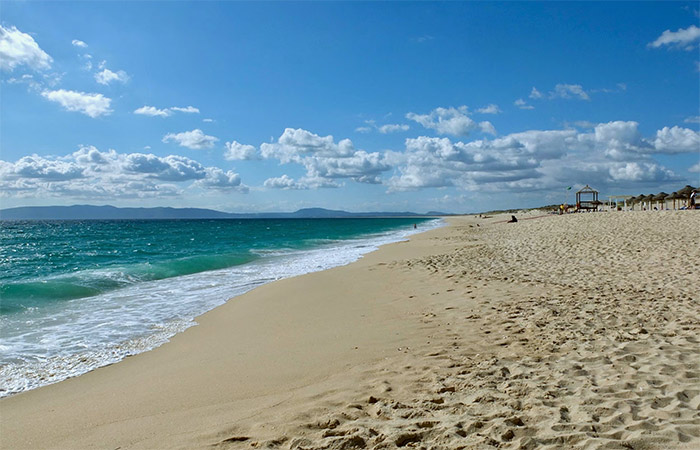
(574, 331)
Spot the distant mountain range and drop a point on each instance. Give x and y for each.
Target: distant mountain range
(90, 212)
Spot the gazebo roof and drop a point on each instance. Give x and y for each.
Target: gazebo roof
(660, 196)
(587, 190)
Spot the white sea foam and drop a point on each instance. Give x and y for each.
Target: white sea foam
(49, 344)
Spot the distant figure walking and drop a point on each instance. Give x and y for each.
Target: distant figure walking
(692, 199)
(513, 219)
(415, 226)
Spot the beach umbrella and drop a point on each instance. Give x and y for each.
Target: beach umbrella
(660, 197)
(631, 201)
(685, 192)
(673, 196)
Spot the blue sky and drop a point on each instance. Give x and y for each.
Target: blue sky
(267, 106)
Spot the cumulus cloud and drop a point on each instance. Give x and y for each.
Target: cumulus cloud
(106, 76)
(695, 168)
(522, 104)
(90, 104)
(152, 111)
(91, 173)
(325, 160)
(692, 119)
(613, 153)
(535, 93)
(685, 38)
(237, 151)
(569, 91)
(393, 128)
(677, 140)
(284, 182)
(20, 49)
(195, 139)
(490, 109)
(452, 121)
(78, 43)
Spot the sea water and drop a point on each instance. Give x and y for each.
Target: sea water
(77, 295)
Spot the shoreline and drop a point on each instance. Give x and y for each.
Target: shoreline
(199, 293)
(463, 336)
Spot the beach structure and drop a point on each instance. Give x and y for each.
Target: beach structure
(660, 199)
(587, 198)
(685, 194)
(617, 199)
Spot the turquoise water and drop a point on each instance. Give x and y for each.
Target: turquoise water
(75, 295)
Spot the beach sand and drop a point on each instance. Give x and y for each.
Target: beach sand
(574, 331)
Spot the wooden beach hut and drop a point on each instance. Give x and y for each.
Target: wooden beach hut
(587, 198)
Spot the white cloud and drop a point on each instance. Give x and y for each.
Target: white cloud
(677, 140)
(195, 139)
(363, 129)
(237, 151)
(207, 120)
(20, 49)
(613, 154)
(219, 180)
(695, 168)
(692, 119)
(283, 182)
(569, 91)
(490, 109)
(535, 93)
(325, 160)
(152, 111)
(91, 173)
(93, 105)
(685, 38)
(452, 121)
(487, 127)
(393, 128)
(79, 43)
(165, 112)
(106, 76)
(186, 109)
(520, 103)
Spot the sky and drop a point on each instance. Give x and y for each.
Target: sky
(361, 106)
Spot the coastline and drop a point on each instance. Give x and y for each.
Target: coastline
(515, 334)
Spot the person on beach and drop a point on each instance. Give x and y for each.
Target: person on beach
(513, 219)
(692, 199)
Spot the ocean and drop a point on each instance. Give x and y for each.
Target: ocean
(78, 295)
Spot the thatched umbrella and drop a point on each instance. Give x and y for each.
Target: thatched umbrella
(685, 193)
(631, 201)
(673, 196)
(646, 199)
(660, 197)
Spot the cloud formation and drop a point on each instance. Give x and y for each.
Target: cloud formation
(91, 173)
(195, 139)
(106, 76)
(78, 43)
(90, 104)
(490, 109)
(613, 153)
(235, 151)
(156, 112)
(452, 121)
(284, 182)
(20, 49)
(325, 160)
(685, 38)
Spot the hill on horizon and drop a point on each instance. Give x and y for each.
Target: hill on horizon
(108, 212)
